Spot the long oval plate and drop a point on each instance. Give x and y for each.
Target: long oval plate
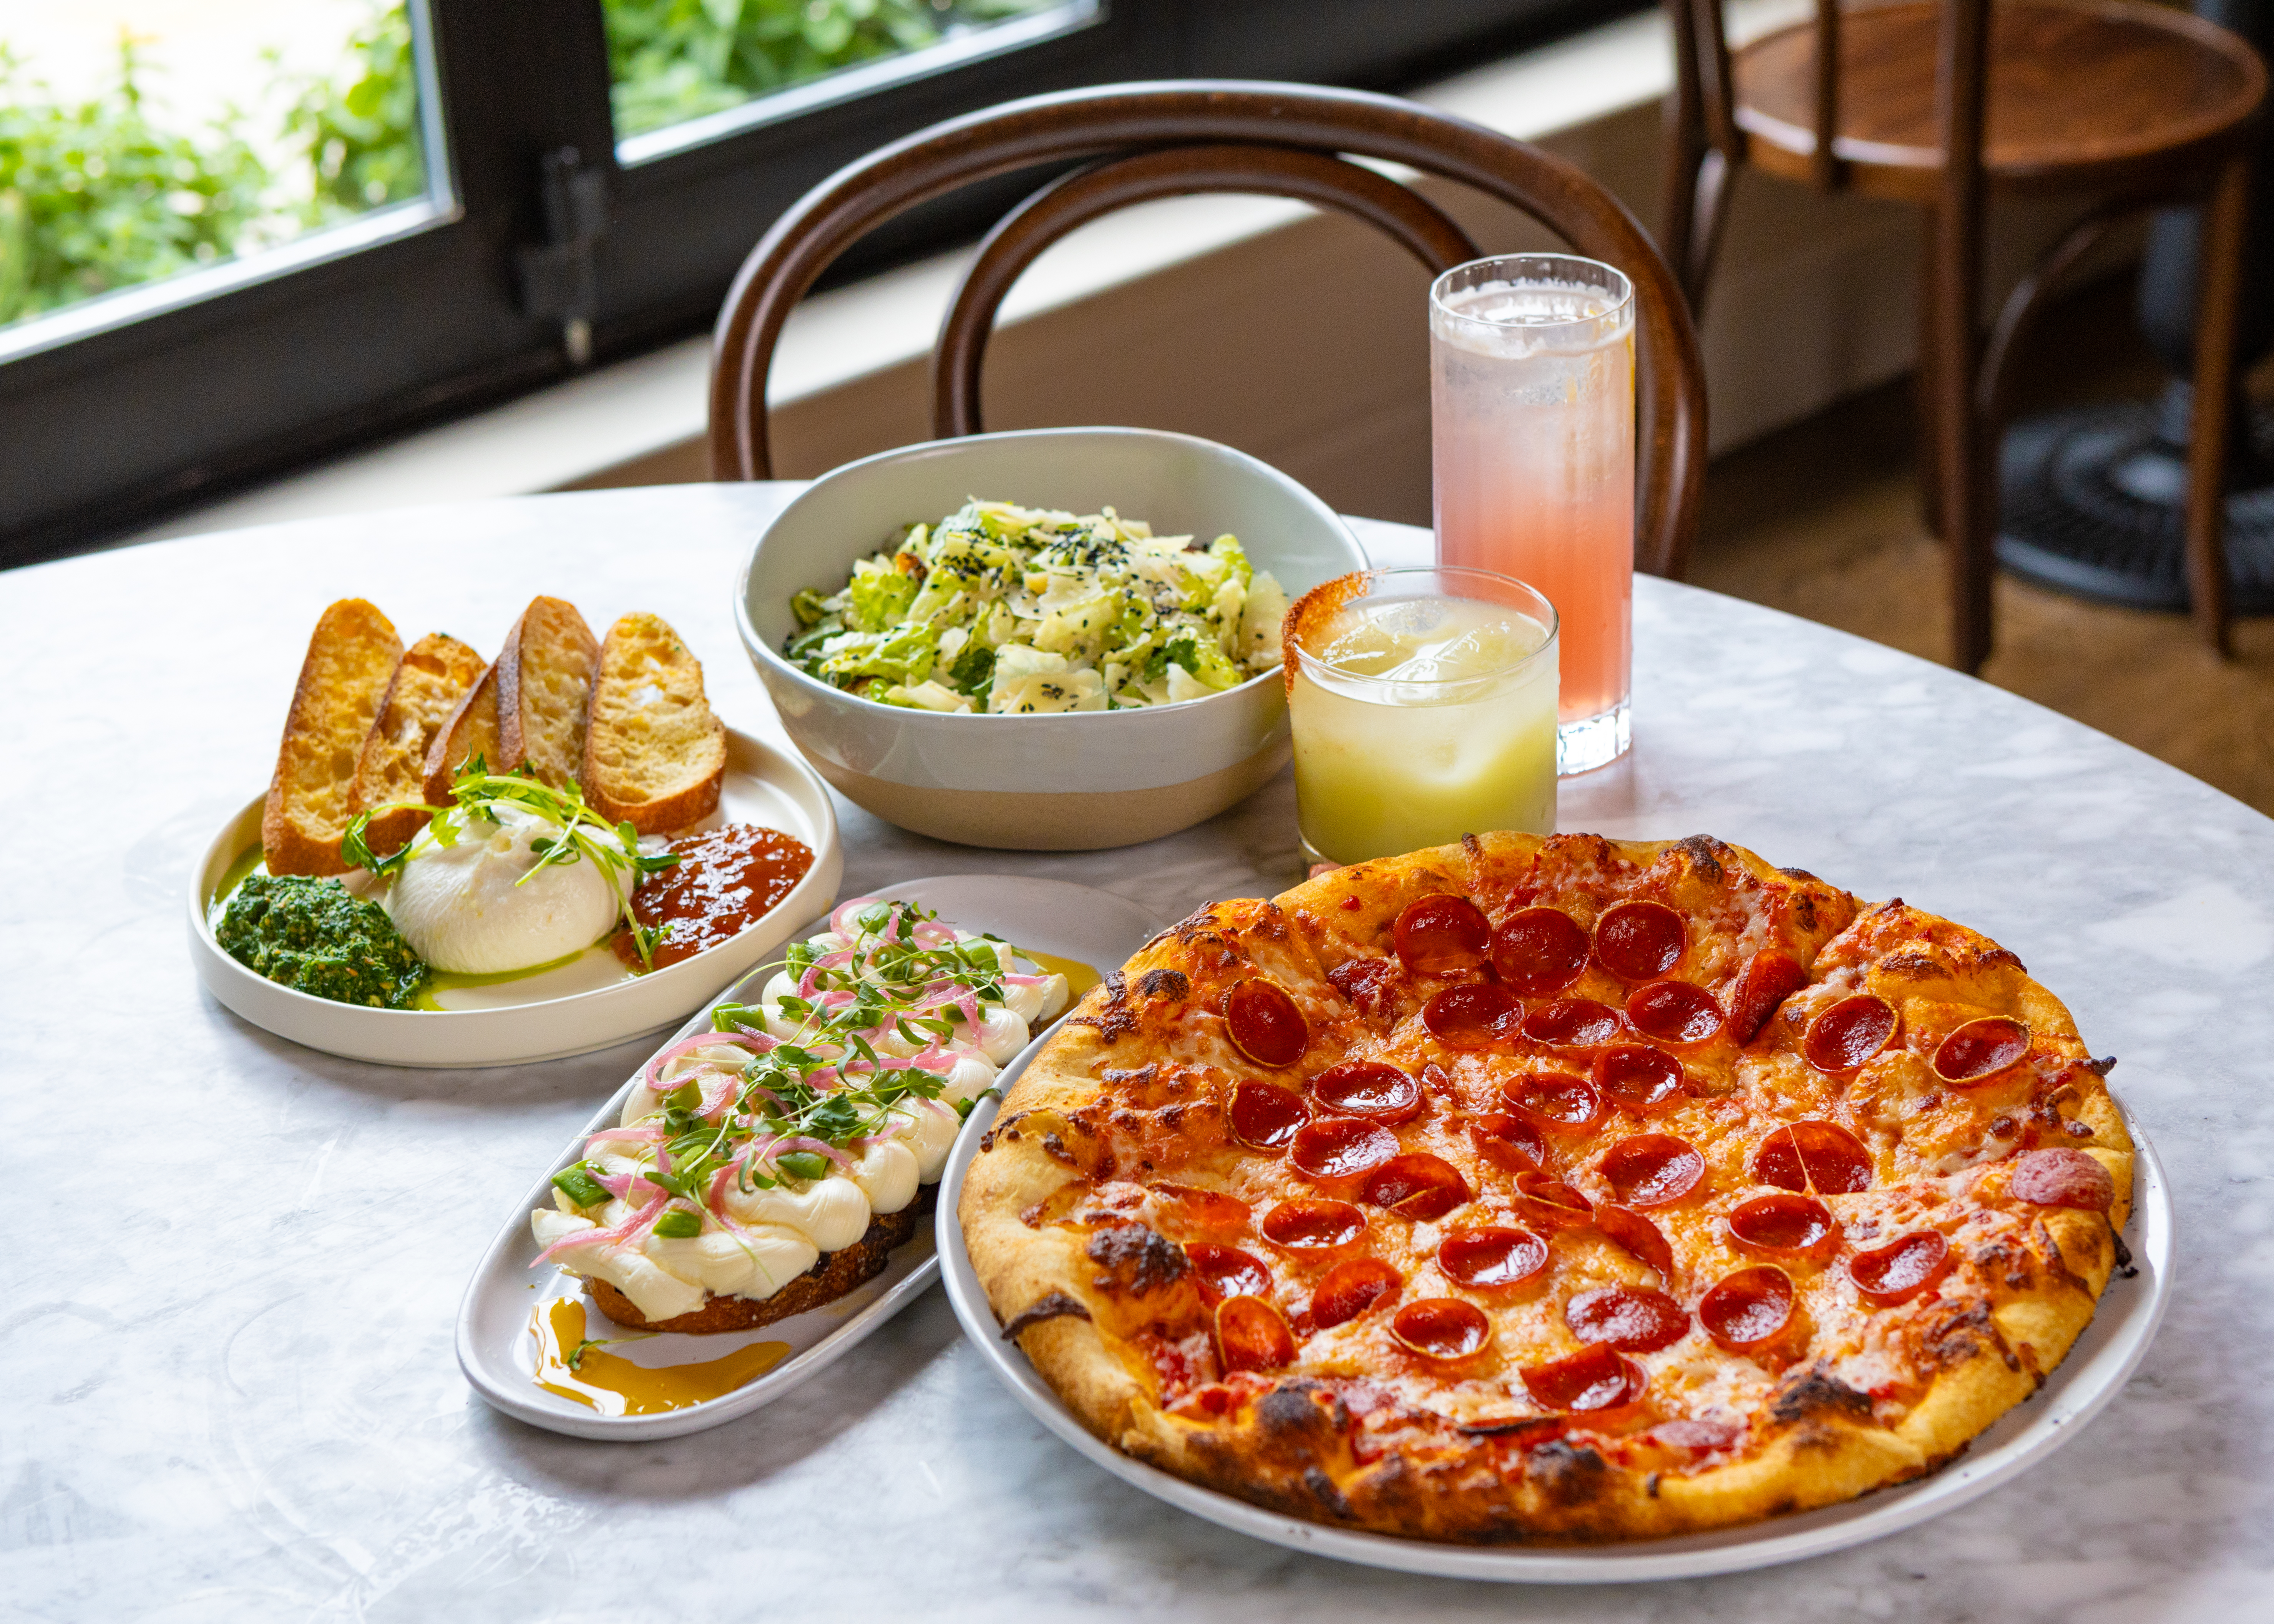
(500, 1320)
(2095, 1370)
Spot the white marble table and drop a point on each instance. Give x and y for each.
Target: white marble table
(227, 1389)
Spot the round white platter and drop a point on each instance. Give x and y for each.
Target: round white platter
(496, 1343)
(584, 1005)
(2095, 1370)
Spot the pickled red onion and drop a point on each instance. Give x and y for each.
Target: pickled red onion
(592, 1237)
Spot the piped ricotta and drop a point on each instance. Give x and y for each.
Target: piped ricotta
(763, 1224)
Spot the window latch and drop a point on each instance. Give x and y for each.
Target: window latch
(558, 279)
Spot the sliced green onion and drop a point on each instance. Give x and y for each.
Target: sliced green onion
(580, 1186)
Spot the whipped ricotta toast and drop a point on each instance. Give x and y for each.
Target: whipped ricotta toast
(769, 1165)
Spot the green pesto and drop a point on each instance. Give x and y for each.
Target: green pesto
(316, 937)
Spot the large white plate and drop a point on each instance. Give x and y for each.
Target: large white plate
(2095, 1370)
(559, 1013)
(496, 1348)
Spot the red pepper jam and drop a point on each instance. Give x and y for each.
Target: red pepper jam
(725, 879)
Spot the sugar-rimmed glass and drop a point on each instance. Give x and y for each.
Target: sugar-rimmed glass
(1424, 709)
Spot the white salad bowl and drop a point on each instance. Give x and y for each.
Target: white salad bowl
(550, 1015)
(1066, 782)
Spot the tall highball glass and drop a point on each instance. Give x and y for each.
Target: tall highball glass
(1532, 423)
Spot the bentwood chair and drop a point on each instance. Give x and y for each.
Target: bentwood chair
(1939, 101)
(1138, 142)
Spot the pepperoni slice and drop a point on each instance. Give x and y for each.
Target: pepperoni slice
(1636, 1079)
(1902, 1268)
(1341, 1147)
(1418, 1186)
(1696, 1435)
(1850, 1031)
(1264, 1118)
(1980, 1050)
(1748, 1309)
(1508, 1142)
(1206, 1209)
(1539, 951)
(1368, 1088)
(1351, 1289)
(1572, 1023)
(1440, 934)
(1264, 1022)
(1784, 1226)
(1674, 1013)
(1638, 1234)
(1768, 981)
(1310, 1224)
(1228, 1271)
(1442, 1327)
(1640, 941)
(1555, 1100)
(2062, 1178)
(1651, 1169)
(1491, 1256)
(1821, 1156)
(1250, 1335)
(1590, 1383)
(1551, 1203)
(1475, 1017)
(1627, 1317)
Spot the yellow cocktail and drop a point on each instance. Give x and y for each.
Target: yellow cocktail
(1424, 709)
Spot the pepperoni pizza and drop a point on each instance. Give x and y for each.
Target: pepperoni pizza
(1553, 1190)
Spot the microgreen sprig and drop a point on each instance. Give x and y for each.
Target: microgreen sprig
(476, 791)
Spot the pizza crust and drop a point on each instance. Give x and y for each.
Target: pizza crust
(2006, 1316)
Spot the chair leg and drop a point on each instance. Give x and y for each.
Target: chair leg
(1924, 398)
(1968, 518)
(2225, 226)
(1693, 205)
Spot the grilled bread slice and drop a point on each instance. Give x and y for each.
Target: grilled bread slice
(654, 754)
(833, 1275)
(545, 690)
(351, 659)
(433, 678)
(472, 731)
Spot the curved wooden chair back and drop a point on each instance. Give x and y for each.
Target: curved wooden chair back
(1157, 140)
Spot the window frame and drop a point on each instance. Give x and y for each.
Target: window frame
(118, 411)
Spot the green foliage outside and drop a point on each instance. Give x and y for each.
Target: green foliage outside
(360, 132)
(672, 60)
(97, 195)
(94, 196)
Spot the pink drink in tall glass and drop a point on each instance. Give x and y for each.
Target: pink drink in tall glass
(1532, 416)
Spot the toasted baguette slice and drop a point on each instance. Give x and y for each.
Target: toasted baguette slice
(654, 754)
(433, 678)
(833, 1275)
(472, 731)
(351, 657)
(545, 690)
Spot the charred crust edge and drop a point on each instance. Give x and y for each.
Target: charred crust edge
(1050, 1305)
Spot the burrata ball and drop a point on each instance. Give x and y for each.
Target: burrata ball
(465, 907)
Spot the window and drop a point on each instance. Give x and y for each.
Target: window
(239, 236)
(139, 153)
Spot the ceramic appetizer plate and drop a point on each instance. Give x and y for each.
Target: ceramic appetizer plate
(585, 1004)
(2092, 1374)
(514, 1317)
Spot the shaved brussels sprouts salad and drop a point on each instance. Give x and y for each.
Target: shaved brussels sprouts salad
(1021, 610)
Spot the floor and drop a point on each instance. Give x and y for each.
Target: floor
(1823, 521)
